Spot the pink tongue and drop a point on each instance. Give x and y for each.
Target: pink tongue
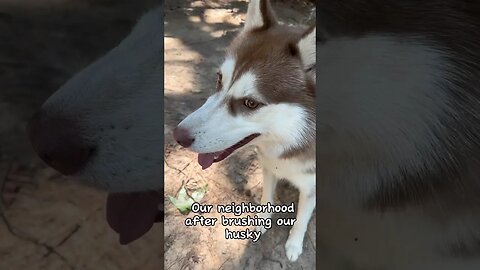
(131, 215)
(206, 160)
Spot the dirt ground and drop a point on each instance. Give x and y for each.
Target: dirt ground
(196, 34)
(55, 223)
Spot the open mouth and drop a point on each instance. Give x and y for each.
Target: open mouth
(207, 159)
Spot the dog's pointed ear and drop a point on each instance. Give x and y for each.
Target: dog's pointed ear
(307, 47)
(260, 15)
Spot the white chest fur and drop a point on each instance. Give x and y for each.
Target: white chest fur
(288, 169)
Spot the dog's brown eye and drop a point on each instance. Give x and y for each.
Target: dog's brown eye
(251, 104)
(219, 81)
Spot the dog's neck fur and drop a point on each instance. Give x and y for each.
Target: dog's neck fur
(421, 124)
(398, 149)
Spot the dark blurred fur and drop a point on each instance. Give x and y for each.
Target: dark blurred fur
(442, 181)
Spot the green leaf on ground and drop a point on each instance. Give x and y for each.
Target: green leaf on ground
(183, 201)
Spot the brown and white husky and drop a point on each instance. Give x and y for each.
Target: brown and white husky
(398, 116)
(265, 96)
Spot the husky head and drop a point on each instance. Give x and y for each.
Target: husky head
(264, 93)
(104, 127)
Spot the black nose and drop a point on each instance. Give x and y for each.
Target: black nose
(57, 141)
(183, 137)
